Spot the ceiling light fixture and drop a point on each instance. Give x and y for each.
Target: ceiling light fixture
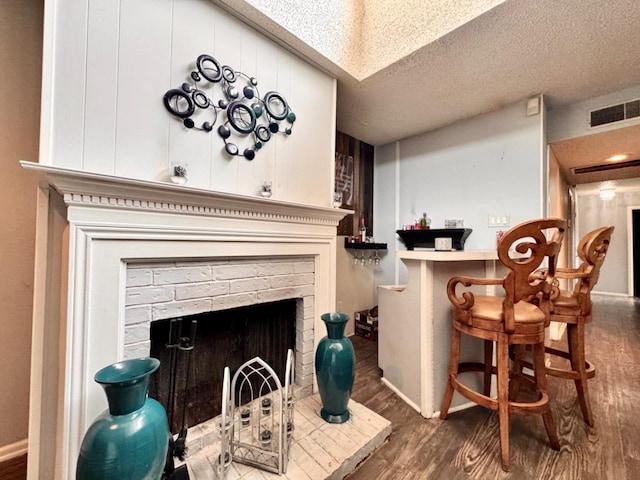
(618, 158)
(607, 193)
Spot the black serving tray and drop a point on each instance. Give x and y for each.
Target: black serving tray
(364, 245)
(427, 238)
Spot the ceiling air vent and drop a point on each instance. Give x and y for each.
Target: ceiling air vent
(606, 167)
(615, 113)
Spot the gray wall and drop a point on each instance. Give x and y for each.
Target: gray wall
(490, 164)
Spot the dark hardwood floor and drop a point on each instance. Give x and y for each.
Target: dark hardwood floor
(465, 445)
(14, 469)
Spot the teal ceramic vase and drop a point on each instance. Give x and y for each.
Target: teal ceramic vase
(335, 369)
(129, 440)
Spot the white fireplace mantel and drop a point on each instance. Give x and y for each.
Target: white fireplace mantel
(87, 233)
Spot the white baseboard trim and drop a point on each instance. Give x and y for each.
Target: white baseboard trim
(612, 294)
(13, 450)
(464, 406)
(401, 395)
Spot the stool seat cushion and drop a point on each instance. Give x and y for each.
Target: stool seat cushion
(490, 308)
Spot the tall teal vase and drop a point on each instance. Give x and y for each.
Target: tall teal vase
(129, 440)
(335, 369)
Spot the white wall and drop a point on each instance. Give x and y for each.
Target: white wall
(490, 164)
(108, 65)
(593, 212)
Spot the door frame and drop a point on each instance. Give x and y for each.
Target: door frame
(630, 209)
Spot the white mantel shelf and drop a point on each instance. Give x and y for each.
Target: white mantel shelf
(81, 187)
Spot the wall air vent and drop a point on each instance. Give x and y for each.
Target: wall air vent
(606, 167)
(615, 113)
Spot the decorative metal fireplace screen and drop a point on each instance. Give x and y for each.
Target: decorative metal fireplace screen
(256, 424)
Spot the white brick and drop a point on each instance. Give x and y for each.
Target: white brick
(144, 295)
(137, 350)
(139, 314)
(248, 285)
(231, 272)
(170, 276)
(233, 301)
(179, 309)
(304, 335)
(309, 301)
(291, 280)
(138, 277)
(304, 267)
(137, 333)
(270, 269)
(201, 290)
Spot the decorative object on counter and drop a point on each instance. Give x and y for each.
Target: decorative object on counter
(236, 94)
(129, 440)
(453, 223)
(266, 189)
(335, 363)
(425, 222)
(443, 244)
(426, 238)
(178, 173)
(362, 231)
(337, 199)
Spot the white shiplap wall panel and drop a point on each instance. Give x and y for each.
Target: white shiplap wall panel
(193, 33)
(144, 63)
(67, 91)
(283, 147)
(248, 179)
(266, 160)
(227, 44)
(102, 86)
(111, 63)
(309, 142)
(263, 164)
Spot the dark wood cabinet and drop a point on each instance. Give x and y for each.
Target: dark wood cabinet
(354, 173)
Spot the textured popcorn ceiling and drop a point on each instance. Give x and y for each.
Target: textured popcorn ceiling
(364, 36)
(407, 67)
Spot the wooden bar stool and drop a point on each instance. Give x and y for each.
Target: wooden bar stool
(508, 320)
(574, 308)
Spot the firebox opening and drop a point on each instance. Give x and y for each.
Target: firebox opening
(223, 338)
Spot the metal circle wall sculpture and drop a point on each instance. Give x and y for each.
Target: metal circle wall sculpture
(245, 115)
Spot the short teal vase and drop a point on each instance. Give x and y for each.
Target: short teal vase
(128, 441)
(335, 369)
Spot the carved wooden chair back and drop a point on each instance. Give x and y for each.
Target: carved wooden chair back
(522, 250)
(592, 251)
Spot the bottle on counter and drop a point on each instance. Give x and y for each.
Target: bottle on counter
(362, 234)
(425, 221)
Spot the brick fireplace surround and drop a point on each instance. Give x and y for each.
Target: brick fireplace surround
(97, 233)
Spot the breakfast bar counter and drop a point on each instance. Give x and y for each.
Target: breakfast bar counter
(414, 323)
